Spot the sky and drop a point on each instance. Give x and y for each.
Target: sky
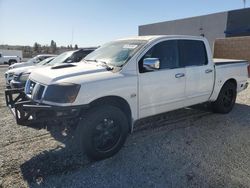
(93, 22)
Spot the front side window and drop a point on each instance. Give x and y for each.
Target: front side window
(166, 52)
(192, 53)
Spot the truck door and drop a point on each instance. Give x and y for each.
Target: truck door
(164, 89)
(199, 71)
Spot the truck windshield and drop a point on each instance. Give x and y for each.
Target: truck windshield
(33, 60)
(45, 61)
(116, 53)
(61, 58)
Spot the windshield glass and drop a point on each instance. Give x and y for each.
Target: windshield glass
(61, 58)
(116, 53)
(32, 60)
(45, 61)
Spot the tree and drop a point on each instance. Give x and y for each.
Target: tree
(46, 49)
(53, 46)
(37, 48)
(76, 47)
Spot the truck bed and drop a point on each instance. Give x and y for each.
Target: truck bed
(218, 61)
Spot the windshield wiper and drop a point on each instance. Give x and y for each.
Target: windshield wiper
(103, 63)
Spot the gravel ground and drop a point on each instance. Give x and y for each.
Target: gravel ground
(186, 148)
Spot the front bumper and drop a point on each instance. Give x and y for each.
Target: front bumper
(30, 113)
(8, 79)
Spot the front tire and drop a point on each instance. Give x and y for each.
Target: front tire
(226, 99)
(103, 131)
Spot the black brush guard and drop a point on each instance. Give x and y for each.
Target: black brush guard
(28, 112)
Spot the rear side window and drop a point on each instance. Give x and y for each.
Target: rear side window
(192, 53)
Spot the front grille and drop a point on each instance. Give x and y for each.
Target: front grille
(10, 75)
(16, 78)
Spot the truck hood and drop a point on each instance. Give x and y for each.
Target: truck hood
(67, 73)
(20, 70)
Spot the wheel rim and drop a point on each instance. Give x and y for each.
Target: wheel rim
(106, 135)
(228, 98)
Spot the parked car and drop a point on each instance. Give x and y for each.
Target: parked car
(124, 81)
(32, 61)
(9, 59)
(21, 74)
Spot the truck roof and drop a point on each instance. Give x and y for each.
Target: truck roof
(153, 37)
(46, 55)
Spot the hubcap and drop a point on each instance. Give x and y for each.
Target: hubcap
(228, 98)
(106, 134)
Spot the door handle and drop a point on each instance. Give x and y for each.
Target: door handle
(179, 75)
(208, 71)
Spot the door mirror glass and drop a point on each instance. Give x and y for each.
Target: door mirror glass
(151, 64)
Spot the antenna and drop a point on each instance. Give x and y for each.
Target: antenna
(72, 36)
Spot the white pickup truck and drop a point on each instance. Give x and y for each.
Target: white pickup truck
(9, 59)
(124, 81)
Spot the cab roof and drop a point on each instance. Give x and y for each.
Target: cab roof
(153, 37)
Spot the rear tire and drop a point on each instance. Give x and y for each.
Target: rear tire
(226, 99)
(102, 132)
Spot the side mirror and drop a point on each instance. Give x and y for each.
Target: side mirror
(151, 64)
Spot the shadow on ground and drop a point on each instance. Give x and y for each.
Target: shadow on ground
(68, 159)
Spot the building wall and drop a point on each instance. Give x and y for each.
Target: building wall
(211, 26)
(220, 25)
(233, 48)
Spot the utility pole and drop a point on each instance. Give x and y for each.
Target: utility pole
(244, 2)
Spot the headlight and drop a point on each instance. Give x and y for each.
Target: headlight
(24, 77)
(62, 93)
